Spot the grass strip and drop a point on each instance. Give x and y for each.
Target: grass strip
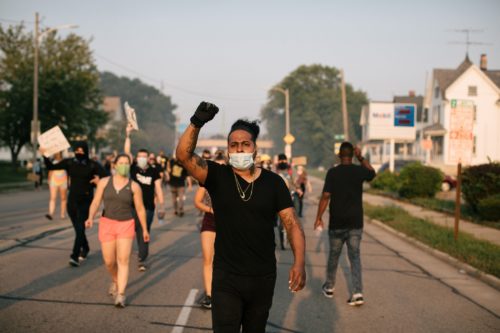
(480, 254)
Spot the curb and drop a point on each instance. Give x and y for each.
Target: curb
(471, 271)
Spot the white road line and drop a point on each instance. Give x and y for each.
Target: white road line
(186, 310)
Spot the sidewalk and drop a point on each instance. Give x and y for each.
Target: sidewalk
(481, 232)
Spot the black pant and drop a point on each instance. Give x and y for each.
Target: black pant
(241, 302)
(78, 211)
(141, 245)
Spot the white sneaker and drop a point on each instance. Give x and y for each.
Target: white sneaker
(120, 301)
(113, 289)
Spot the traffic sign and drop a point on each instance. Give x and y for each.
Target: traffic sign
(289, 139)
(339, 136)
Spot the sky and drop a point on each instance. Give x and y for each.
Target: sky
(231, 52)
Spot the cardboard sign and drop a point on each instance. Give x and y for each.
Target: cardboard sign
(461, 138)
(53, 141)
(131, 117)
(299, 160)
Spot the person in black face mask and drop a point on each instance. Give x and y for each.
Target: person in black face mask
(84, 174)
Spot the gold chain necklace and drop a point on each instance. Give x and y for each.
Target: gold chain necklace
(240, 190)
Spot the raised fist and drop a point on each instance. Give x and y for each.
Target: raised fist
(204, 113)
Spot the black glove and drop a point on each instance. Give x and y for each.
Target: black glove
(203, 114)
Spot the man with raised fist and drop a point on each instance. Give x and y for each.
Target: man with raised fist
(245, 201)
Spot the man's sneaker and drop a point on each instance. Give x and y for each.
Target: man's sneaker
(120, 301)
(73, 262)
(142, 267)
(113, 289)
(206, 302)
(327, 291)
(356, 300)
(48, 217)
(83, 256)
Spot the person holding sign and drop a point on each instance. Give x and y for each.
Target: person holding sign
(83, 173)
(149, 178)
(122, 197)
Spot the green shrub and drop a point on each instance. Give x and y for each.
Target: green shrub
(386, 180)
(417, 180)
(489, 208)
(480, 182)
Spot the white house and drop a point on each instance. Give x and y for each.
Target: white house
(468, 82)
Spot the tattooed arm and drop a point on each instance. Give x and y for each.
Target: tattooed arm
(194, 164)
(295, 233)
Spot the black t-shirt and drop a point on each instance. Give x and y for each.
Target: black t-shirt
(345, 185)
(146, 179)
(245, 230)
(80, 174)
(178, 174)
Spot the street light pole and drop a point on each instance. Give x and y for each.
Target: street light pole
(35, 127)
(288, 137)
(344, 106)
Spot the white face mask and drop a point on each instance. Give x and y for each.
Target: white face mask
(142, 162)
(241, 161)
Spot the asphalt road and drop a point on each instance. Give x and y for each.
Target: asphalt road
(39, 292)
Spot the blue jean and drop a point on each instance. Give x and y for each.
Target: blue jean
(352, 237)
(143, 247)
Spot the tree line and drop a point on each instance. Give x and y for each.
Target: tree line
(71, 91)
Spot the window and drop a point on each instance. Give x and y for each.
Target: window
(425, 115)
(436, 92)
(472, 91)
(474, 145)
(475, 113)
(436, 114)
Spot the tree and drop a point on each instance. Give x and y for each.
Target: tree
(315, 112)
(68, 87)
(154, 113)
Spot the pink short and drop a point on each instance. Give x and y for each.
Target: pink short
(111, 230)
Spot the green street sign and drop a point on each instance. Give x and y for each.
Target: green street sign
(339, 136)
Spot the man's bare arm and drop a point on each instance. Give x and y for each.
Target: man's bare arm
(296, 237)
(194, 164)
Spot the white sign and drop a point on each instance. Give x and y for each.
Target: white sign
(385, 122)
(131, 117)
(53, 141)
(461, 139)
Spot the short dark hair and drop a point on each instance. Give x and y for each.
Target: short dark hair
(346, 149)
(143, 150)
(251, 127)
(282, 157)
(122, 155)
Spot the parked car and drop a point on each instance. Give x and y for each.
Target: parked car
(398, 165)
(448, 184)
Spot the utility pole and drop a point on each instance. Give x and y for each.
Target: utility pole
(289, 139)
(344, 106)
(34, 125)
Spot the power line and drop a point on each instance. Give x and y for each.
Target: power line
(162, 83)
(15, 21)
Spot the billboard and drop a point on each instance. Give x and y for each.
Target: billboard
(391, 121)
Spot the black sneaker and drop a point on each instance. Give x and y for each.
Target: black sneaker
(327, 291)
(356, 300)
(206, 302)
(48, 217)
(74, 263)
(181, 214)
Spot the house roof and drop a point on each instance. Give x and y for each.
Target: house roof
(445, 77)
(434, 130)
